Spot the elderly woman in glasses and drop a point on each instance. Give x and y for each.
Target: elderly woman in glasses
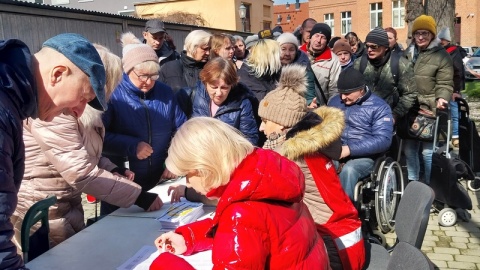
(141, 118)
(433, 74)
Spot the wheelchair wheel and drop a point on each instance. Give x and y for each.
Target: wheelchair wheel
(389, 190)
(474, 185)
(447, 217)
(377, 238)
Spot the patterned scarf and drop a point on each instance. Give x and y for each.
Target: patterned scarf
(274, 140)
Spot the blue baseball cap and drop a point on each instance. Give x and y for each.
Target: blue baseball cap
(82, 53)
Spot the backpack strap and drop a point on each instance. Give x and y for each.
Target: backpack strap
(451, 49)
(318, 89)
(363, 63)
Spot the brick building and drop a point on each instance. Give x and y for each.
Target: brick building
(289, 16)
(360, 16)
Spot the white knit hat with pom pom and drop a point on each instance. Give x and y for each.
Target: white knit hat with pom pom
(286, 105)
(135, 52)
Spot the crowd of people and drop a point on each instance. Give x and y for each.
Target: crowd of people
(275, 130)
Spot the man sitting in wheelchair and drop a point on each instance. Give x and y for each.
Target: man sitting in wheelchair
(368, 128)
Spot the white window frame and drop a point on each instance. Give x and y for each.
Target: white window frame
(376, 12)
(329, 19)
(398, 14)
(346, 21)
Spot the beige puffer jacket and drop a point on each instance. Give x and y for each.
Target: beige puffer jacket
(63, 158)
(315, 139)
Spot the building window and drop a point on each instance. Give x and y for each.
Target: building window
(248, 23)
(398, 14)
(279, 19)
(266, 11)
(328, 19)
(35, 1)
(346, 22)
(267, 25)
(376, 15)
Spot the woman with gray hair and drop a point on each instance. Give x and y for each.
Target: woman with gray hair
(241, 51)
(184, 72)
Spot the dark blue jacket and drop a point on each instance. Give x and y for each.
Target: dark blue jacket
(133, 117)
(236, 110)
(368, 125)
(18, 100)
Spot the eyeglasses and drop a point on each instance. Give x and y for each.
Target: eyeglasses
(144, 78)
(371, 46)
(423, 34)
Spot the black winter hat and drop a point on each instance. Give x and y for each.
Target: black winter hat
(322, 28)
(350, 80)
(378, 36)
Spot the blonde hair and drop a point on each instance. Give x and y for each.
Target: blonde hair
(150, 67)
(216, 43)
(195, 148)
(195, 39)
(113, 69)
(113, 72)
(264, 58)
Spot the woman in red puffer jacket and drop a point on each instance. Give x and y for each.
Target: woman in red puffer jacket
(260, 220)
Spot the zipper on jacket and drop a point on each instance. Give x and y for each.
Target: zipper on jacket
(142, 100)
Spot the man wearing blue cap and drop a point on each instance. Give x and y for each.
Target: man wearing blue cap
(61, 78)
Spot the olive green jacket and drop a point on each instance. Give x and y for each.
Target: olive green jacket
(381, 83)
(433, 73)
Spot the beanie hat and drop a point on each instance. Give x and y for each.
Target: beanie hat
(350, 80)
(378, 36)
(445, 34)
(250, 40)
(286, 104)
(135, 52)
(342, 45)
(287, 38)
(322, 28)
(332, 42)
(425, 22)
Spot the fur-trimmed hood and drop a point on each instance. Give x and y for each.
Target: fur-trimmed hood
(320, 131)
(91, 118)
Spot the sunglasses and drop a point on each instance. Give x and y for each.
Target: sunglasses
(372, 46)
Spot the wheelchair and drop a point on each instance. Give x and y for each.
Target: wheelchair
(376, 198)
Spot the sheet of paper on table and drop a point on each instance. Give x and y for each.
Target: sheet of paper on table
(147, 254)
(179, 214)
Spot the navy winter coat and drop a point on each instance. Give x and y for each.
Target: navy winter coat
(133, 117)
(18, 100)
(369, 125)
(236, 110)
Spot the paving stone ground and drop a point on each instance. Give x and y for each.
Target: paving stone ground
(456, 247)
